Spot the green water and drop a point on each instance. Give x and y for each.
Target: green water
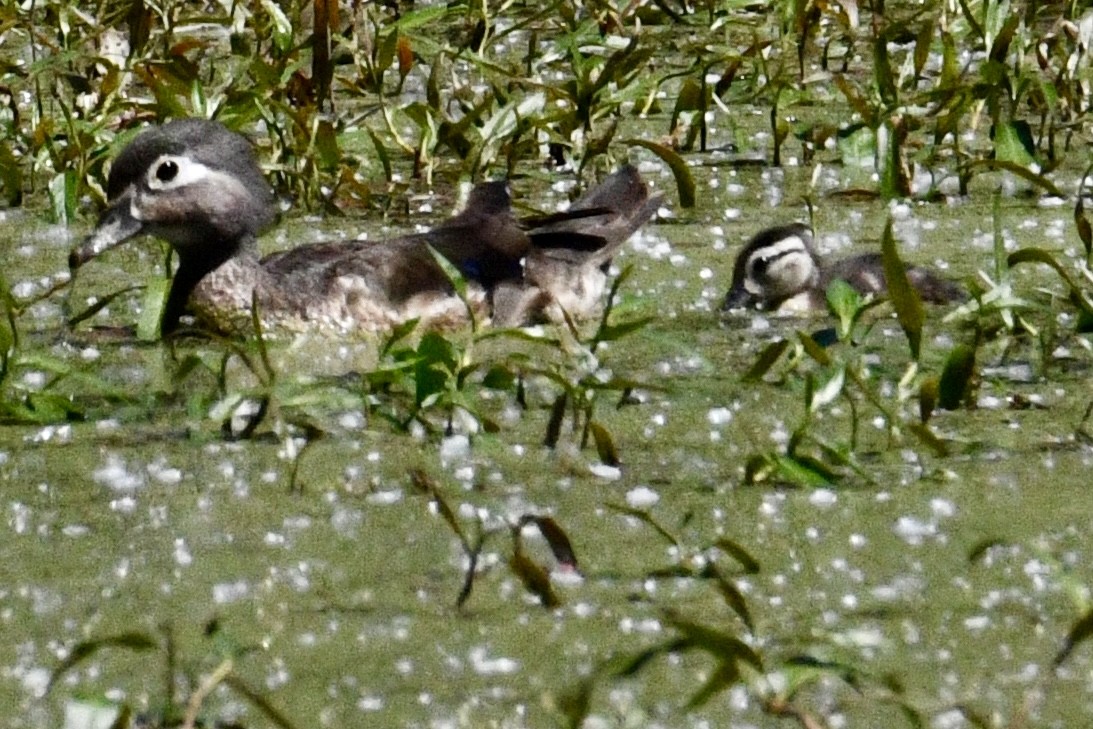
(343, 592)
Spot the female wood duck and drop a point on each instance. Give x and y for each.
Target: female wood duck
(197, 185)
(780, 270)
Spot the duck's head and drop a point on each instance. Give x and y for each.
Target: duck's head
(191, 182)
(776, 265)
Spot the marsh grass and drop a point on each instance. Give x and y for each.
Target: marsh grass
(358, 107)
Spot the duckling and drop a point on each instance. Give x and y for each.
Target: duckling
(196, 184)
(780, 270)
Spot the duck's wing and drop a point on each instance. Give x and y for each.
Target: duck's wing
(596, 225)
(565, 266)
(865, 273)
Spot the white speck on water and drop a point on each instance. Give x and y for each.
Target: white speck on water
(124, 505)
(705, 274)
(229, 592)
(353, 420)
(857, 541)
(161, 472)
(484, 665)
(58, 433)
(347, 522)
(642, 496)
(602, 470)
(719, 416)
(370, 703)
(183, 557)
(942, 508)
(977, 623)
(273, 539)
(75, 530)
(454, 448)
(34, 379)
(914, 531)
(387, 497)
(36, 681)
(823, 498)
(630, 625)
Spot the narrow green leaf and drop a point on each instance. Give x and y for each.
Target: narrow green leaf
(904, 297)
(554, 425)
(151, 310)
(724, 646)
(685, 183)
(644, 516)
(427, 486)
(1085, 233)
(62, 197)
(814, 349)
(724, 677)
(605, 445)
(929, 439)
(737, 552)
(535, 579)
(556, 538)
(766, 359)
(84, 650)
(732, 596)
(956, 377)
(802, 472)
(1013, 143)
(1078, 295)
(11, 176)
(1081, 631)
(927, 399)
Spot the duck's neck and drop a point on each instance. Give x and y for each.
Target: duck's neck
(218, 283)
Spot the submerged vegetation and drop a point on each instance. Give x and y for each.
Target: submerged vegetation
(358, 109)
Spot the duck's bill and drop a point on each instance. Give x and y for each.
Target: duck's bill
(115, 227)
(738, 298)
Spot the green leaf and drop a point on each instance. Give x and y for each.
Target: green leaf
(737, 552)
(554, 425)
(814, 349)
(1013, 143)
(605, 446)
(802, 471)
(845, 302)
(766, 359)
(84, 650)
(62, 197)
(282, 28)
(535, 579)
(11, 176)
(1078, 295)
(904, 297)
(956, 377)
(685, 183)
(1081, 631)
(153, 303)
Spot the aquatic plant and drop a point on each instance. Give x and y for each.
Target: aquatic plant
(185, 712)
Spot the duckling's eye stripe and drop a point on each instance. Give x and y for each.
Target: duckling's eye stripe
(170, 171)
(763, 259)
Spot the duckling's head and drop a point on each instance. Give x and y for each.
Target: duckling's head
(191, 182)
(776, 265)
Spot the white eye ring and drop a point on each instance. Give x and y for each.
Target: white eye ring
(171, 171)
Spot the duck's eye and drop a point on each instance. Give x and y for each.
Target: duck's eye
(167, 170)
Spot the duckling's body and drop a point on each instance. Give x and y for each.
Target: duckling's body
(196, 184)
(780, 270)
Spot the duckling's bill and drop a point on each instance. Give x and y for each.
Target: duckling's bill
(116, 226)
